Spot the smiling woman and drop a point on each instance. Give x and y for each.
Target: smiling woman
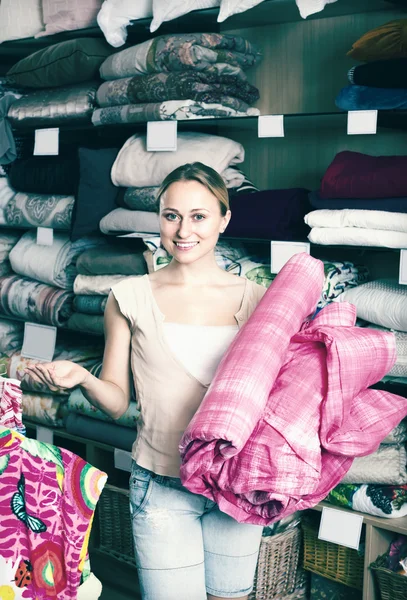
(169, 330)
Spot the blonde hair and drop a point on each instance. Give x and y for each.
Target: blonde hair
(205, 175)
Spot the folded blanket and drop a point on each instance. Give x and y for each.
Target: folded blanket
(361, 97)
(386, 466)
(56, 264)
(11, 335)
(194, 85)
(354, 236)
(122, 220)
(87, 354)
(339, 276)
(6, 193)
(388, 204)
(254, 446)
(46, 175)
(119, 259)
(391, 73)
(178, 110)
(32, 210)
(136, 167)
(95, 284)
(8, 239)
(273, 215)
(108, 433)
(77, 403)
(54, 106)
(363, 219)
(90, 305)
(400, 367)
(93, 324)
(386, 501)
(357, 175)
(45, 409)
(33, 301)
(181, 52)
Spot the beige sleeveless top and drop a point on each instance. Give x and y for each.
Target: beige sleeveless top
(167, 394)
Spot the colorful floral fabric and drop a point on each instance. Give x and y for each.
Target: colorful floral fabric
(10, 404)
(47, 501)
(389, 501)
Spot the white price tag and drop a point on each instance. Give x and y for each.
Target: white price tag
(362, 122)
(270, 126)
(281, 252)
(340, 527)
(46, 142)
(45, 435)
(161, 136)
(45, 236)
(403, 267)
(122, 460)
(39, 341)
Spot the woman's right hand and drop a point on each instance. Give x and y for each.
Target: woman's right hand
(58, 375)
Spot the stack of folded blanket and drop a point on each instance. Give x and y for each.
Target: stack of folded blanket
(178, 76)
(362, 202)
(138, 173)
(381, 82)
(98, 270)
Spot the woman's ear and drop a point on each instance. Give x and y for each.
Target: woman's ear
(225, 221)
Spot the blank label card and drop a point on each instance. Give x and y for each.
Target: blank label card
(46, 142)
(362, 122)
(340, 527)
(281, 252)
(271, 126)
(39, 341)
(162, 136)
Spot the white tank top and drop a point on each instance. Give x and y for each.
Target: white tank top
(199, 347)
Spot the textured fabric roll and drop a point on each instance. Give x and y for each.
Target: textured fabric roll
(362, 97)
(114, 259)
(386, 466)
(32, 210)
(380, 73)
(355, 236)
(93, 324)
(193, 85)
(56, 175)
(273, 214)
(34, 301)
(121, 220)
(11, 335)
(394, 205)
(108, 433)
(353, 218)
(90, 305)
(96, 284)
(56, 264)
(214, 52)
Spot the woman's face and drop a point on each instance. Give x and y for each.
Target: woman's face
(190, 221)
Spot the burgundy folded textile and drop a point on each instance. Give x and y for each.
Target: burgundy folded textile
(270, 214)
(357, 175)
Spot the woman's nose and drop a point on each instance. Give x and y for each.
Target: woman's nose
(184, 229)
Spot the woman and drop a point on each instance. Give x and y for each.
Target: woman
(168, 330)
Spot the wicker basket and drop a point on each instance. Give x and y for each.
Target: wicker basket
(335, 562)
(392, 586)
(115, 529)
(277, 566)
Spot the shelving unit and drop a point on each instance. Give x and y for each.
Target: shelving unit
(303, 67)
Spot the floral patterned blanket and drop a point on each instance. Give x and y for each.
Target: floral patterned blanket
(389, 501)
(193, 85)
(47, 500)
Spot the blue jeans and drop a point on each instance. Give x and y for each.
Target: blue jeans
(185, 546)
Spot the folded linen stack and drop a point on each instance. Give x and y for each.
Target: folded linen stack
(143, 171)
(381, 82)
(362, 202)
(178, 76)
(98, 269)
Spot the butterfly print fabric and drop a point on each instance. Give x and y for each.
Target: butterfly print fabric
(47, 501)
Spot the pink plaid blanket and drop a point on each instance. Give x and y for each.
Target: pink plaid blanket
(289, 408)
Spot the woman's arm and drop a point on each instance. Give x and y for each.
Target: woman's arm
(111, 392)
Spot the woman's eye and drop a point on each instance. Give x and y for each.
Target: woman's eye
(199, 217)
(171, 216)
